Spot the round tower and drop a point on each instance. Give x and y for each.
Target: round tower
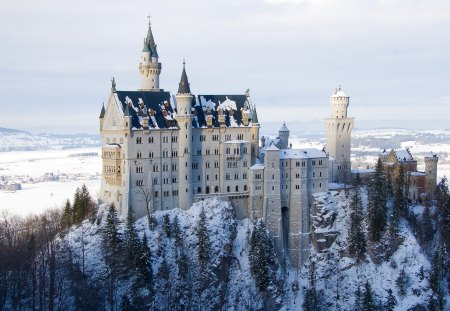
(339, 133)
(184, 120)
(149, 67)
(283, 135)
(431, 173)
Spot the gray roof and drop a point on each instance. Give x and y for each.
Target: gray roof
(150, 41)
(184, 88)
(102, 112)
(284, 128)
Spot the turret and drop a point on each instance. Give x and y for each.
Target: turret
(339, 103)
(431, 173)
(283, 135)
(184, 120)
(102, 115)
(149, 67)
(339, 132)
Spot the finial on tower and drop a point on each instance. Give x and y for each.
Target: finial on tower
(113, 84)
(149, 21)
(184, 83)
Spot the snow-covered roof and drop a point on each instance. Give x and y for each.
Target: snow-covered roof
(403, 155)
(338, 93)
(235, 141)
(284, 128)
(272, 147)
(268, 142)
(418, 174)
(257, 166)
(302, 153)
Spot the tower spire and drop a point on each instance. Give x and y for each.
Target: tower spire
(183, 87)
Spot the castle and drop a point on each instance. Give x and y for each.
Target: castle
(163, 151)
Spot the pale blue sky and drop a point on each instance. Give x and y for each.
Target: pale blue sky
(391, 56)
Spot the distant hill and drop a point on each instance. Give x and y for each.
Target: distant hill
(18, 140)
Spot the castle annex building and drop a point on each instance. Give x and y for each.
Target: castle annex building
(163, 151)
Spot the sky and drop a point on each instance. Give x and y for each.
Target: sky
(392, 57)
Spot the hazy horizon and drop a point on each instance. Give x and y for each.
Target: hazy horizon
(391, 57)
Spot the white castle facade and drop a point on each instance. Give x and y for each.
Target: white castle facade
(162, 152)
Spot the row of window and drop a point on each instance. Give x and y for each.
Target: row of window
(111, 169)
(174, 139)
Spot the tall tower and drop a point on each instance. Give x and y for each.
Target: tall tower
(184, 119)
(339, 131)
(431, 174)
(283, 135)
(149, 67)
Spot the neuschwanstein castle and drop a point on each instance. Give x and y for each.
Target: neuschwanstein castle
(163, 151)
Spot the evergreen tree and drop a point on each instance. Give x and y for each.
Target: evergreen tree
(67, 215)
(443, 204)
(311, 300)
(427, 230)
(357, 239)
(368, 300)
(203, 241)
(144, 263)
(131, 239)
(358, 299)
(262, 257)
(177, 232)
(400, 199)
(402, 282)
(377, 205)
(111, 247)
(166, 225)
(391, 301)
(83, 205)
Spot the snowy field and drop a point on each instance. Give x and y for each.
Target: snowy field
(48, 178)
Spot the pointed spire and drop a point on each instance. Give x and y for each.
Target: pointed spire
(254, 116)
(127, 111)
(150, 41)
(184, 83)
(102, 112)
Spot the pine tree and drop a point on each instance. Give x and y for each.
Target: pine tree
(111, 247)
(391, 301)
(427, 230)
(368, 301)
(399, 204)
(144, 263)
(377, 207)
(357, 239)
(311, 300)
(443, 206)
(166, 225)
(131, 239)
(262, 257)
(402, 282)
(177, 232)
(67, 216)
(203, 241)
(358, 299)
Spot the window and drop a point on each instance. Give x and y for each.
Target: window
(174, 167)
(139, 169)
(150, 140)
(199, 190)
(202, 137)
(138, 140)
(165, 167)
(139, 155)
(240, 137)
(175, 140)
(216, 164)
(303, 163)
(139, 182)
(227, 137)
(174, 153)
(165, 139)
(156, 194)
(237, 188)
(155, 181)
(236, 176)
(314, 174)
(150, 154)
(199, 151)
(245, 187)
(244, 150)
(174, 180)
(216, 151)
(165, 154)
(228, 188)
(297, 187)
(245, 163)
(175, 193)
(198, 177)
(165, 181)
(228, 176)
(215, 137)
(258, 176)
(207, 164)
(244, 176)
(208, 151)
(320, 162)
(313, 162)
(216, 189)
(155, 168)
(195, 165)
(227, 151)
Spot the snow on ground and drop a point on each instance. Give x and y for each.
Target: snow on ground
(69, 169)
(36, 198)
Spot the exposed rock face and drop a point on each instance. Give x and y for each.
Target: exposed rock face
(323, 216)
